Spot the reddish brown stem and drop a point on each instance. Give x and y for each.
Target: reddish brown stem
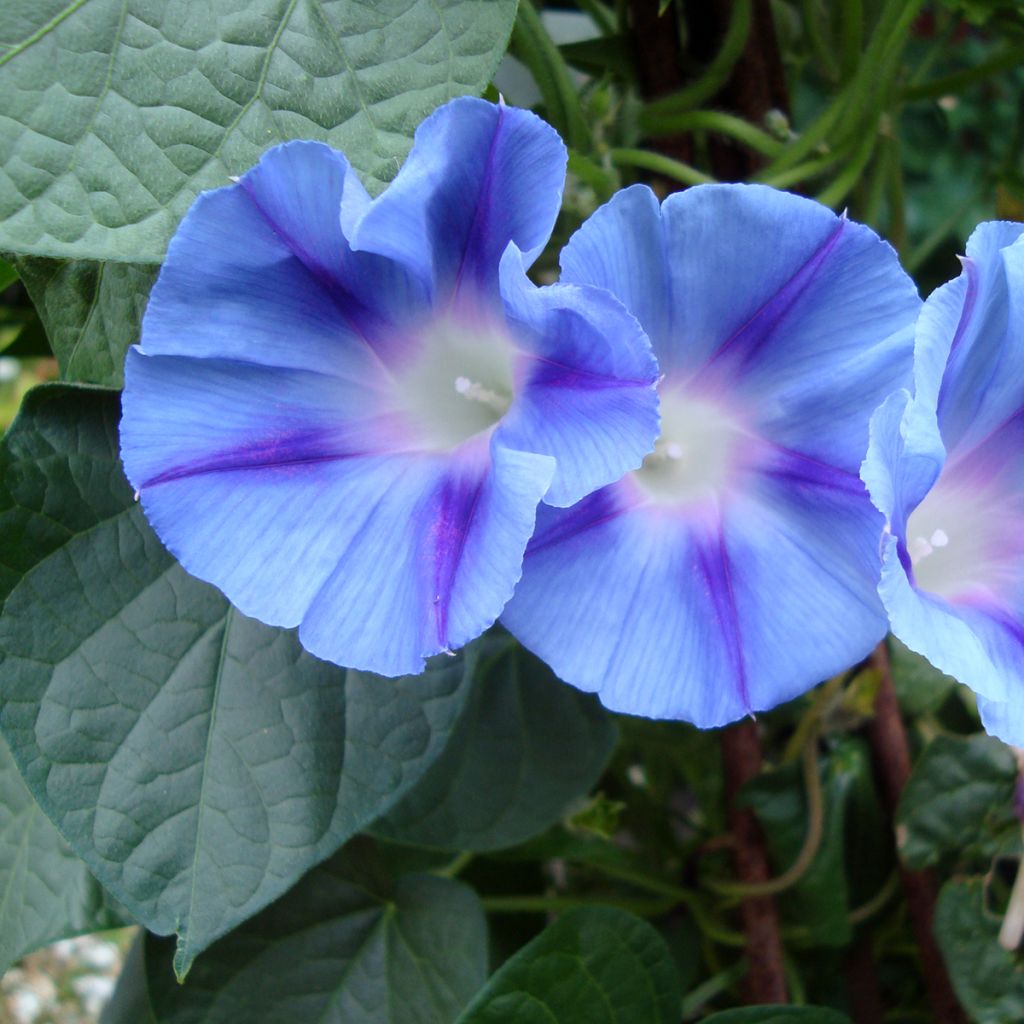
(891, 755)
(862, 991)
(766, 980)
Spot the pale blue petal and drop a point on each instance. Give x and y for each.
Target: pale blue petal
(587, 394)
(260, 272)
(479, 176)
(621, 247)
(983, 382)
(698, 618)
(300, 512)
(1004, 719)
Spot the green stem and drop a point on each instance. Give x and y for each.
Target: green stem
(659, 164)
(808, 169)
(812, 841)
(811, 15)
(841, 187)
(897, 203)
(536, 49)
(717, 72)
(867, 910)
(456, 865)
(593, 174)
(600, 14)
(712, 121)
(920, 253)
(711, 989)
(1011, 57)
(851, 36)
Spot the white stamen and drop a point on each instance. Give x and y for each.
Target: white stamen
(940, 538)
(478, 393)
(462, 385)
(919, 548)
(673, 450)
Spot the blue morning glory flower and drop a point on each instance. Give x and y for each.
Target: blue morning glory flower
(739, 565)
(946, 467)
(344, 411)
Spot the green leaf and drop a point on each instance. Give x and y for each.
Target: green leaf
(920, 687)
(597, 964)
(959, 802)
(8, 275)
(198, 761)
(46, 893)
(337, 950)
(118, 112)
(91, 311)
(525, 748)
(988, 980)
(778, 1015)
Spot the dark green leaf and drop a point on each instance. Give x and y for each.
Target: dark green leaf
(8, 275)
(118, 112)
(525, 748)
(778, 1015)
(46, 893)
(920, 687)
(988, 980)
(598, 965)
(335, 950)
(198, 761)
(959, 801)
(92, 312)
(130, 1002)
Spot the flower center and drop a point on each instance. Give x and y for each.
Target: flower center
(697, 453)
(460, 384)
(964, 537)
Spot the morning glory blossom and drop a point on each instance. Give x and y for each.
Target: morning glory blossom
(946, 466)
(738, 567)
(344, 411)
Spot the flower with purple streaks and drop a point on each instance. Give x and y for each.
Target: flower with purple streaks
(738, 567)
(344, 411)
(946, 467)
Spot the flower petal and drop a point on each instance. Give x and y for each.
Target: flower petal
(1004, 719)
(621, 247)
(970, 339)
(588, 396)
(260, 272)
(304, 517)
(462, 195)
(701, 618)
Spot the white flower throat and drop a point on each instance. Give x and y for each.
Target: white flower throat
(461, 384)
(697, 452)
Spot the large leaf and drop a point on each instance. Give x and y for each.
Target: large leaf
(598, 965)
(114, 114)
(91, 311)
(198, 761)
(778, 1015)
(989, 981)
(339, 948)
(959, 802)
(525, 748)
(46, 893)
(920, 687)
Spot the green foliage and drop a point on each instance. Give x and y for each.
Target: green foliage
(921, 688)
(118, 113)
(778, 1015)
(91, 312)
(988, 980)
(276, 758)
(524, 748)
(598, 965)
(348, 945)
(959, 803)
(46, 893)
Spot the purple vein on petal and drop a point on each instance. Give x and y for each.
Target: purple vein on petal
(456, 511)
(713, 558)
(763, 324)
(795, 467)
(479, 219)
(594, 510)
(551, 373)
(301, 449)
(365, 324)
